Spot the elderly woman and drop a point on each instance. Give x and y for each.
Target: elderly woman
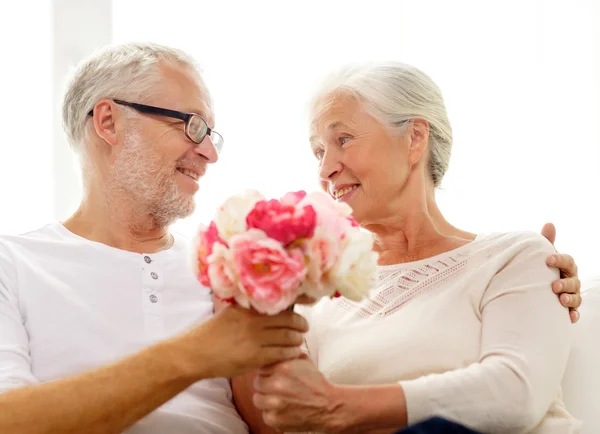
(462, 326)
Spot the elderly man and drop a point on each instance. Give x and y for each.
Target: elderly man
(102, 326)
(101, 321)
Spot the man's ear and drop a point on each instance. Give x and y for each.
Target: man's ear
(106, 117)
(419, 136)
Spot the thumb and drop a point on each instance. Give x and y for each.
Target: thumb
(549, 232)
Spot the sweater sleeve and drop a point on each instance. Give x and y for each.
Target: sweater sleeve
(15, 367)
(525, 345)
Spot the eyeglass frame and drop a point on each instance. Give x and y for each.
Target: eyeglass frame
(186, 117)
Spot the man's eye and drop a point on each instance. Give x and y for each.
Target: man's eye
(344, 139)
(319, 154)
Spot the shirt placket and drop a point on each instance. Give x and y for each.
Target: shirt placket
(152, 298)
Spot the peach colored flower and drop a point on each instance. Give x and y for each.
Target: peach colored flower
(223, 279)
(322, 252)
(268, 274)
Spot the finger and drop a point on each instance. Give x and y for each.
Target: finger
(282, 368)
(267, 402)
(304, 356)
(288, 319)
(574, 314)
(565, 263)
(570, 285)
(260, 383)
(576, 301)
(268, 370)
(305, 299)
(570, 300)
(271, 385)
(220, 304)
(282, 337)
(271, 419)
(271, 355)
(549, 232)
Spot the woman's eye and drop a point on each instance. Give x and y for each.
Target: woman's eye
(343, 140)
(319, 154)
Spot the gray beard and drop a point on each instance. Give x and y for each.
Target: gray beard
(147, 185)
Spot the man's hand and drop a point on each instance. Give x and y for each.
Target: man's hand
(569, 286)
(237, 340)
(111, 398)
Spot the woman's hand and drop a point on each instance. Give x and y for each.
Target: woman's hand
(295, 396)
(569, 286)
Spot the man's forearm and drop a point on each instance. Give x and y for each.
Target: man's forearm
(106, 400)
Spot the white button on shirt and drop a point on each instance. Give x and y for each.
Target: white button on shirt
(69, 305)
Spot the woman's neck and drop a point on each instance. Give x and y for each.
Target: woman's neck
(417, 232)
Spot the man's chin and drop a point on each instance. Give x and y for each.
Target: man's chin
(185, 207)
(191, 207)
(169, 213)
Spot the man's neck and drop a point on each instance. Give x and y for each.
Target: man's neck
(126, 229)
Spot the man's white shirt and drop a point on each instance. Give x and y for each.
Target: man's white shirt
(69, 305)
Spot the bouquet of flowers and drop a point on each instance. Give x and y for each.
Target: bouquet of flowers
(264, 254)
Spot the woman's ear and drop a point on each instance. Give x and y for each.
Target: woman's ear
(419, 137)
(105, 120)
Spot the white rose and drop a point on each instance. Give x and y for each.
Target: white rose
(355, 271)
(230, 218)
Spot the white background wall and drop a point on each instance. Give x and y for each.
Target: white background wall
(26, 194)
(521, 81)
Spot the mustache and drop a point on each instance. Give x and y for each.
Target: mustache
(197, 165)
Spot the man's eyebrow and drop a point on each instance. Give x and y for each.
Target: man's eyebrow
(196, 111)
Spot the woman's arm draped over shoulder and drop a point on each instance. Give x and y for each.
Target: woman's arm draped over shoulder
(524, 350)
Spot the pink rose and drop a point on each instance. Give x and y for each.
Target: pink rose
(333, 217)
(321, 201)
(205, 240)
(284, 223)
(268, 274)
(293, 198)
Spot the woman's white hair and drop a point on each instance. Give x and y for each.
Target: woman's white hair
(128, 72)
(394, 93)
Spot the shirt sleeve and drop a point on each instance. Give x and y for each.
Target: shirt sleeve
(525, 345)
(15, 362)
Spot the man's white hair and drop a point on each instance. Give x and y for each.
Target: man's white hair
(127, 72)
(394, 93)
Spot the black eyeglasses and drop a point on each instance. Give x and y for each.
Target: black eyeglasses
(196, 128)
